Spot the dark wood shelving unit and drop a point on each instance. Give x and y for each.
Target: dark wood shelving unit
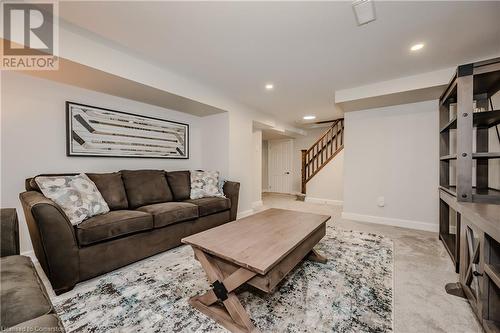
(466, 108)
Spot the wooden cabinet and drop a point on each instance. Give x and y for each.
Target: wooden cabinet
(479, 254)
(491, 285)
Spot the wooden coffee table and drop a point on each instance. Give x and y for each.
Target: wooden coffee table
(259, 250)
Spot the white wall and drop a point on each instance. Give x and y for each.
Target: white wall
(82, 47)
(33, 136)
(215, 143)
(393, 152)
(257, 168)
(328, 185)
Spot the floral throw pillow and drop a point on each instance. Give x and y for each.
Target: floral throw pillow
(205, 184)
(77, 195)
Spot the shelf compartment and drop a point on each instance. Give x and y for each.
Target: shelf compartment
(449, 241)
(488, 82)
(493, 272)
(485, 119)
(449, 189)
(491, 326)
(480, 196)
(486, 79)
(452, 124)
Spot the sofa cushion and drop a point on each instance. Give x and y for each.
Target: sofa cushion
(77, 196)
(205, 184)
(23, 296)
(113, 224)
(112, 189)
(180, 184)
(146, 187)
(170, 212)
(43, 324)
(207, 206)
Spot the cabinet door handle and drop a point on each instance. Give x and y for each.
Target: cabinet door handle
(476, 273)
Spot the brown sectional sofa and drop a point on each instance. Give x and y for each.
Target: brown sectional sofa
(24, 303)
(150, 211)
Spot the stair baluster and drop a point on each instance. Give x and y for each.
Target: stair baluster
(318, 155)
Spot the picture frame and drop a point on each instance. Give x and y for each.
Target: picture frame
(99, 132)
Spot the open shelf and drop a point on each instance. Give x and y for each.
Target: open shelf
(452, 124)
(449, 244)
(490, 195)
(485, 119)
(485, 156)
(448, 157)
(493, 272)
(449, 189)
(476, 156)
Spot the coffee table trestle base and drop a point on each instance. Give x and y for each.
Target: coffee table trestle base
(226, 275)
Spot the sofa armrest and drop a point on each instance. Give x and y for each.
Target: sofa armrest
(54, 240)
(232, 192)
(9, 232)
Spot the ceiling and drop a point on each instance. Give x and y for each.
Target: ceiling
(93, 79)
(306, 49)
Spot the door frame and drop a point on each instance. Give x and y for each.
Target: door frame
(291, 169)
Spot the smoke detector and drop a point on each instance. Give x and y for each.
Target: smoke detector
(364, 10)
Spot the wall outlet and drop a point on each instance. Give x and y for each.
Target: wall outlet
(381, 201)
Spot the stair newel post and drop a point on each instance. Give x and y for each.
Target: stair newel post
(303, 187)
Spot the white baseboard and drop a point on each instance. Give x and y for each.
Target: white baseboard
(245, 213)
(30, 254)
(324, 201)
(257, 204)
(409, 224)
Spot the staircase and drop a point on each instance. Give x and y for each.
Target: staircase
(322, 151)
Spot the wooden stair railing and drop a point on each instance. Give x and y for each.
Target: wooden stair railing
(322, 151)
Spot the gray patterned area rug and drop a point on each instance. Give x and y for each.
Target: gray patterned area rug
(353, 292)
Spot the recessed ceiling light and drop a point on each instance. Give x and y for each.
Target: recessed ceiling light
(417, 47)
(269, 86)
(309, 117)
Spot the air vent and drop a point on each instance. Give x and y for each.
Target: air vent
(364, 10)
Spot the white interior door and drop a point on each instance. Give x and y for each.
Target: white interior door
(280, 165)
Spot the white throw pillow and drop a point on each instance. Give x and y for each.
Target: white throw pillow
(78, 196)
(205, 184)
